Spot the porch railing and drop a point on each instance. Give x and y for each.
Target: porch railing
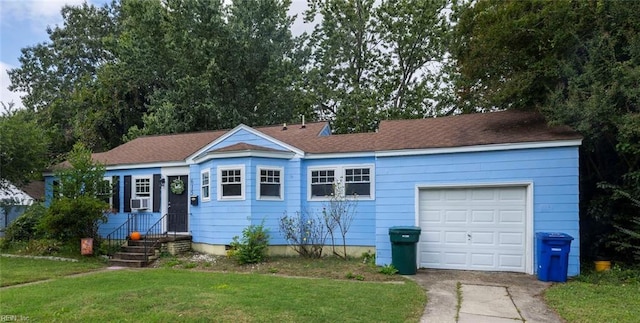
(140, 222)
(152, 237)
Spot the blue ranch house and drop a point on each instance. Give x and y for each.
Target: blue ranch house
(480, 186)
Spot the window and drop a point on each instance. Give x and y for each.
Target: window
(142, 187)
(270, 184)
(351, 181)
(357, 181)
(105, 191)
(231, 182)
(322, 182)
(205, 184)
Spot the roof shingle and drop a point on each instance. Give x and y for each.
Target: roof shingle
(454, 131)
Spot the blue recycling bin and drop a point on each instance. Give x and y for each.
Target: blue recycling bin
(552, 254)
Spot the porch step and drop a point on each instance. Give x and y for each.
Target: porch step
(138, 249)
(126, 263)
(133, 254)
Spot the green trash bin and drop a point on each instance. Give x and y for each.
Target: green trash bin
(403, 249)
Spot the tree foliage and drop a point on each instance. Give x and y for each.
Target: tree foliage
(77, 208)
(23, 148)
(371, 61)
(577, 62)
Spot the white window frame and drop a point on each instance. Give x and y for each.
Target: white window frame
(243, 185)
(340, 175)
(110, 180)
(206, 197)
(344, 179)
(259, 183)
(134, 191)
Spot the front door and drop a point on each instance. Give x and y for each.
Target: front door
(178, 204)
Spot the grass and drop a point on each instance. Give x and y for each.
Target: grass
(15, 270)
(167, 294)
(612, 296)
(330, 267)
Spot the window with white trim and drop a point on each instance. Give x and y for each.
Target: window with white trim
(357, 181)
(205, 185)
(322, 182)
(270, 183)
(231, 182)
(105, 191)
(351, 181)
(142, 187)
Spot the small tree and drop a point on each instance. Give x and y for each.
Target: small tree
(77, 210)
(252, 248)
(305, 232)
(338, 213)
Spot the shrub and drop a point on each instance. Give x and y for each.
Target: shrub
(70, 220)
(388, 269)
(252, 248)
(25, 227)
(305, 233)
(41, 247)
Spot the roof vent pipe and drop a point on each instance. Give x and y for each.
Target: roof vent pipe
(303, 125)
(284, 126)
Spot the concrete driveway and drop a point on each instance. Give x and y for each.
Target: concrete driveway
(484, 297)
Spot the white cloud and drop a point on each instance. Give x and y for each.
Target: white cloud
(7, 96)
(37, 13)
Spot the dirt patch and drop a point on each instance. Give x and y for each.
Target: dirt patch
(328, 267)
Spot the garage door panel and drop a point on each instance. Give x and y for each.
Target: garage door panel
(515, 216)
(455, 258)
(483, 260)
(483, 238)
(455, 216)
(452, 237)
(473, 228)
(483, 216)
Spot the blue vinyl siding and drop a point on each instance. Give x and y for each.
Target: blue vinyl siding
(243, 136)
(553, 172)
(117, 219)
(361, 232)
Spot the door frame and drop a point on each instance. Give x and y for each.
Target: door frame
(529, 223)
(165, 189)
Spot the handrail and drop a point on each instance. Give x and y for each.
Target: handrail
(120, 234)
(153, 233)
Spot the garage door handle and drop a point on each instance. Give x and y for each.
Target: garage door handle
(469, 236)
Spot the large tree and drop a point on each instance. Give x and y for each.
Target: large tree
(59, 76)
(23, 147)
(577, 62)
(371, 60)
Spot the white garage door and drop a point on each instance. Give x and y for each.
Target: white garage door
(473, 228)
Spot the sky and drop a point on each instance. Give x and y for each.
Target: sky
(23, 23)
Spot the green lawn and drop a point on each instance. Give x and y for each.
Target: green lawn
(598, 297)
(180, 295)
(15, 270)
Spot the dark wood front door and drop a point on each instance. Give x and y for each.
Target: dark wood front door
(177, 218)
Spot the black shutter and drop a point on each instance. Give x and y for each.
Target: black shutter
(156, 192)
(115, 189)
(127, 193)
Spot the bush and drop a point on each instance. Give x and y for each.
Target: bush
(253, 246)
(25, 227)
(388, 269)
(70, 220)
(305, 233)
(41, 247)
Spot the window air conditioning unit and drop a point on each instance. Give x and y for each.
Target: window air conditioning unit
(140, 203)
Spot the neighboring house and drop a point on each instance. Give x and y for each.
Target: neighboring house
(479, 185)
(14, 201)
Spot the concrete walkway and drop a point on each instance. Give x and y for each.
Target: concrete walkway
(496, 297)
